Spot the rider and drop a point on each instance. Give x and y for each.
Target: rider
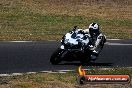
(97, 39)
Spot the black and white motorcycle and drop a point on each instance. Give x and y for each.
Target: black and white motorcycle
(74, 47)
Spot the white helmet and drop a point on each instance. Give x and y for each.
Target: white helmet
(94, 29)
(94, 26)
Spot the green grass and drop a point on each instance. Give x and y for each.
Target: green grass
(59, 80)
(18, 22)
(116, 71)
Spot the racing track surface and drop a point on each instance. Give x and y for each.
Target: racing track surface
(34, 56)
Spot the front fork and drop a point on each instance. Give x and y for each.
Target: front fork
(62, 51)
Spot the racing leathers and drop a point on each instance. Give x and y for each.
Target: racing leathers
(96, 44)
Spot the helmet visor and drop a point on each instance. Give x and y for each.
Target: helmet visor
(93, 31)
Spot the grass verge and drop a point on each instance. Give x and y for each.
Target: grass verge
(45, 20)
(63, 80)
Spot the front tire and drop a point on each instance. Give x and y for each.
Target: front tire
(56, 57)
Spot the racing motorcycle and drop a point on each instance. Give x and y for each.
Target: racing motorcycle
(74, 47)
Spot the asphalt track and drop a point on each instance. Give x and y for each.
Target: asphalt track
(17, 57)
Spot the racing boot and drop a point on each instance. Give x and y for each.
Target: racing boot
(94, 56)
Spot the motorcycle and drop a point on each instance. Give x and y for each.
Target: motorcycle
(74, 47)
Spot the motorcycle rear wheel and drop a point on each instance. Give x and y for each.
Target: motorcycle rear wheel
(86, 58)
(85, 61)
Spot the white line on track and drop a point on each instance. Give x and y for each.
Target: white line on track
(118, 44)
(3, 75)
(18, 74)
(65, 70)
(20, 41)
(114, 39)
(57, 71)
(14, 74)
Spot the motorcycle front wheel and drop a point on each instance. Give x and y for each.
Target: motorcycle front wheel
(56, 57)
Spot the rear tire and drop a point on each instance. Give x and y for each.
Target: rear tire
(85, 61)
(86, 58)
(55, 57)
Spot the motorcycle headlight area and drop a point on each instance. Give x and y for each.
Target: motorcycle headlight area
(62, 47)
(66, 41)
(74, 43)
